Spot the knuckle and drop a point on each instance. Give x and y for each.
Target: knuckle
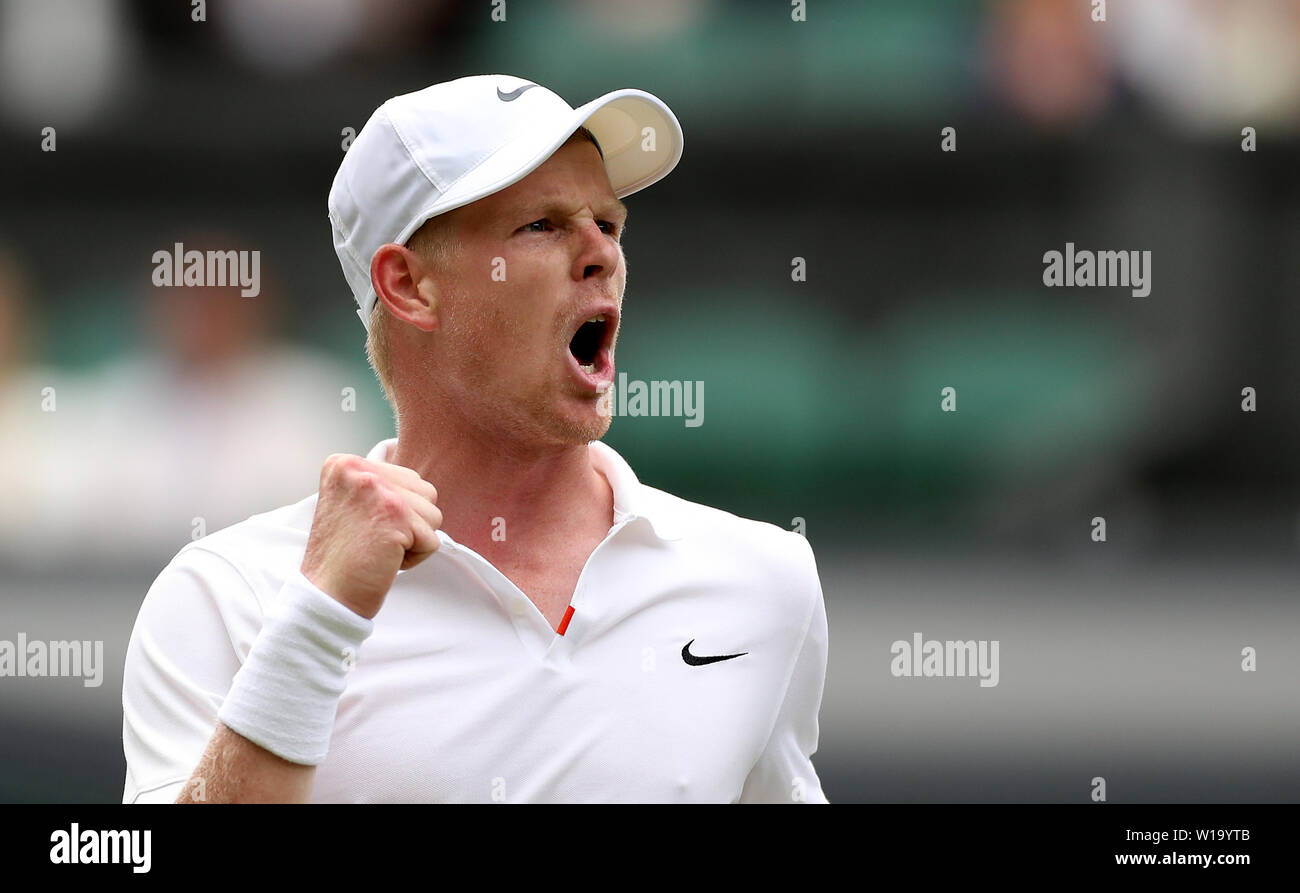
(392, 505)
(337, 465)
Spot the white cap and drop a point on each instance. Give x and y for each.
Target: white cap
(424, 153)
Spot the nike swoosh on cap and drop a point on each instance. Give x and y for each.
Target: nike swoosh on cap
(513, 94)
(695, 660)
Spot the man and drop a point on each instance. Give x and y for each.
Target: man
(539, 627)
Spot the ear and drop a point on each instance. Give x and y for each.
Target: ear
(401, 280)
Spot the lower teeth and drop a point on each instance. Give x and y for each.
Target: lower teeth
(590, 367)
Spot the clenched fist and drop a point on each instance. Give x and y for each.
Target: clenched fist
(372, 520)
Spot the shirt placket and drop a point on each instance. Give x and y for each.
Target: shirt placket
(532, 627)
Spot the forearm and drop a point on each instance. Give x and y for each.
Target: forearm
(283, 700)
(235, 770)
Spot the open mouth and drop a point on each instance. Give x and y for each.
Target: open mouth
(588, 340)
(591, 351)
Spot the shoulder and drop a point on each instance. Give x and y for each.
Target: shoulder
(725, 529)
(246, 562)
(781, 560)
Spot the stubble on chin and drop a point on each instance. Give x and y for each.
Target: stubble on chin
(540, 415)
(546, 418)
(574, 432)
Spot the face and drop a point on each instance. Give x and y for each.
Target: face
(529, 306)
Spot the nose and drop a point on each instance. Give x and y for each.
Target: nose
(598, 253)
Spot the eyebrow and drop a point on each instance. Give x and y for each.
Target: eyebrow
(554, 203)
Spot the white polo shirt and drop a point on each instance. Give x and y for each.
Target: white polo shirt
(464, 692)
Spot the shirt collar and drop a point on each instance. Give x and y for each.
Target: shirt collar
(380, 451)
(631, 498)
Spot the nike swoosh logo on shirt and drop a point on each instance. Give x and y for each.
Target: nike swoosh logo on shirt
(513, 94)
(699, 661)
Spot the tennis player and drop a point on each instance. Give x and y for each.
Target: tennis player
(490, 606)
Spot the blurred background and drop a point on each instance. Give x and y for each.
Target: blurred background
(134, 418)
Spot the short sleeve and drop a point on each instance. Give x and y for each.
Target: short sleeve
(784, 772)
(196, 624)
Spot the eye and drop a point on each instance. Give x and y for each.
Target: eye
(608, 227)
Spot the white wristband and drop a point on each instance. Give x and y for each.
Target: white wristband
(286, 694)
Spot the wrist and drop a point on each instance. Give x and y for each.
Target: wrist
(285, 696)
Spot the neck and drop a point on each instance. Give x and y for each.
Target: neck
(501, 497)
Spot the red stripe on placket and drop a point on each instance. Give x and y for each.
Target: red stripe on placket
(564, 623)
